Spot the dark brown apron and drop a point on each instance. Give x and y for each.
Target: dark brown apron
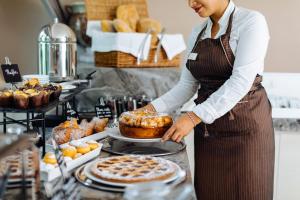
(234, 156)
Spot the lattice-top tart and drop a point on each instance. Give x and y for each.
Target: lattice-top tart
(133, 169)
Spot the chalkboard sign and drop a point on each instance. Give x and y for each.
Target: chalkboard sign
(71, 113)
(103, 111)
(11, 73)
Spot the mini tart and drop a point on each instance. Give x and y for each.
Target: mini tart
(83, 148)
(6, 98)
(21, 99)
(49, 158)
(35, 98)
(69, 151)
(93, 144)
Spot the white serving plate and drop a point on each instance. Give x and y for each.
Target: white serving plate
(87, 172)
(115, 133)
(49, 175)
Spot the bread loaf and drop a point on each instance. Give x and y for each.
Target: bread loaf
(145, 24)
(121, 26)
(129, 14)
(107, 26)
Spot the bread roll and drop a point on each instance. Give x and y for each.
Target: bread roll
(107, 26)
(145, 24)
(121, 26)
(128, 13)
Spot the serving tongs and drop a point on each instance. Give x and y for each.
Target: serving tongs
(156, 56)
(140, 55)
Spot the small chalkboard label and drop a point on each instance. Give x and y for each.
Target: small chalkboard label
(71, 113)
(11, 73)
(103, 111)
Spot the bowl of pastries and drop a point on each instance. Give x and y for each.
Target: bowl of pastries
(144, 124)
(72, 130)
(30, 95)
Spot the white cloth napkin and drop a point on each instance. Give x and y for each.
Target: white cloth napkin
(124, 42)
(173, 44)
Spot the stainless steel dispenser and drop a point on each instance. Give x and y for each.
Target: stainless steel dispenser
(57, 52)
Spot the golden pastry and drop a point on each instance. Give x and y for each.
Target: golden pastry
(83, 148)
(107, 26)
(146, 24)
(6, 98)
(87, 127)
(100, 124)
(69, 151)
(129, 14)
(49, 158)
(93, 144)
(121, 26)
(21, 99)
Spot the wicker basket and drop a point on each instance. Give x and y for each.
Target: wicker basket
(106, 9)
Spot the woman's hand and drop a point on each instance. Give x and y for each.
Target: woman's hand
(182, 127)
(148, 107)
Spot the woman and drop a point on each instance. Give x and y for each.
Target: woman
(234, 139)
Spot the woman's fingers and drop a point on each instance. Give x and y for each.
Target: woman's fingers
(179, 138)
(176, 135)
(168, 134)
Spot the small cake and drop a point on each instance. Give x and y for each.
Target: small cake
(100, 124)
(93, 144)
(6, 98)
(144, 124)
(32, 83)
(21, 99)
(83, 148)
(49, 158)
(69, 151)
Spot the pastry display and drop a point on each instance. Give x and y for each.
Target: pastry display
(6, 98)
(144, 124)
(31, 94)
(129, 14)
(71, 130)
(133, 169)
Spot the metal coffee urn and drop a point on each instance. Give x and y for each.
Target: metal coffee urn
(57, 52)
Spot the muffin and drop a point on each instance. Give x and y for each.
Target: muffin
(35, 98)
(6, 98)
(21, 99)
(46, 97)
(54, 90)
